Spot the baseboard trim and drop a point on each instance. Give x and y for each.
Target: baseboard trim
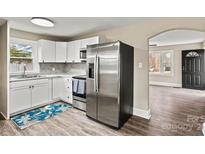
(142, 113)
(2, 116)
(166, 84)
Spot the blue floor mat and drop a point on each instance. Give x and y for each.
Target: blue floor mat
(29, 118)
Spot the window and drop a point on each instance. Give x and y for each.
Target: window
(161, 62)
(154, 62)
(192, 54)
(23, 53)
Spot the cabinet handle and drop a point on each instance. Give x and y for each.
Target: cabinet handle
(29, 86)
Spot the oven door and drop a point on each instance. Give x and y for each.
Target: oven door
(79, 97)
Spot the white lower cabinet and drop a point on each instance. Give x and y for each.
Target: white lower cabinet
(62, 89)
(25, 95)
(40, 94)
(28, 94)
(20, 99)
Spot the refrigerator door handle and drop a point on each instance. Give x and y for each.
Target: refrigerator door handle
(97, 74)
(95, 59)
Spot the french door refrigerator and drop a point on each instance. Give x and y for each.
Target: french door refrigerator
(110, 83)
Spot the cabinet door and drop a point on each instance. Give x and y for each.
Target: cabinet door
(67, 94)
(77, 50)
(71, 51)
(93, 40)
(62, 89)
(58, 88)
(46, 51)
(20, 99)
(40, 94)
(89, 41)
(61, 48)
(84, 43)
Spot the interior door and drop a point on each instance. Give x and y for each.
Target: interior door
(91, 95)
(193, 69)
(108, 84)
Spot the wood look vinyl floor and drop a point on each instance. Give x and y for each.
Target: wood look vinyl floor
(175, 111)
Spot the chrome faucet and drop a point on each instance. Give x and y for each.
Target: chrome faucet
(24, 70)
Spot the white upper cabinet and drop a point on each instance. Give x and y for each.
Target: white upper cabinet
(77, 50)
(89, 41)
(62, 52)
(71, 51)
(46, 51)
(61, 49)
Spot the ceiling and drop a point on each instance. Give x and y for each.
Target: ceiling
(177, 37)
(72, 26)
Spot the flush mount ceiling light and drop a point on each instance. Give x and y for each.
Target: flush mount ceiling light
(43, 22)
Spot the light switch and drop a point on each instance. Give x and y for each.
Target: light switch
(53, 69)
(140, 65)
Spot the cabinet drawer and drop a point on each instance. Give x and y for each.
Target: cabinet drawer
(41, 81)
(27, 83)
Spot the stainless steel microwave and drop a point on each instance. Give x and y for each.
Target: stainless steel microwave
(83, 54)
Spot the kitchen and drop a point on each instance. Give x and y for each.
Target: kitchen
(54, 83)
(73, 71)
(46, 73)
(85, 82)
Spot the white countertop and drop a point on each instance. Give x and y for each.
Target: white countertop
(46, 76)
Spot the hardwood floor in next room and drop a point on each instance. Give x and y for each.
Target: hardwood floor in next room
(175, 111)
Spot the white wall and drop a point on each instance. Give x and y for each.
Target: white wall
(4, 74)
(138, 35)
(176, 78)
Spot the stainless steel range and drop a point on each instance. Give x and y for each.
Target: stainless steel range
(79, 92)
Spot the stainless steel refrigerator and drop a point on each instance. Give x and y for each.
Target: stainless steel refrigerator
(110, 83)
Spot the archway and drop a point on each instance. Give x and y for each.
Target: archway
(169, 99)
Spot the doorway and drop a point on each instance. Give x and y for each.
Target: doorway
(193, 75)
(176, 81)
